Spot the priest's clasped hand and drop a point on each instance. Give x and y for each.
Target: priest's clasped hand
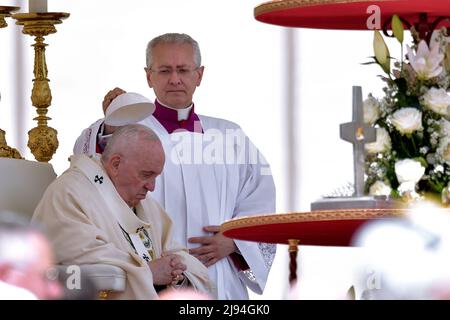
(177, 279)
(213, 248)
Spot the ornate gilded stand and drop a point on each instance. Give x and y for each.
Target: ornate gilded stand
(5, 11)
(5, 150)
(42, 140)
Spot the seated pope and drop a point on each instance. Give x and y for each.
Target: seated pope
(98, 211)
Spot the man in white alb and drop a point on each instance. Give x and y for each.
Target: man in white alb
(98, 212)
(213, 171)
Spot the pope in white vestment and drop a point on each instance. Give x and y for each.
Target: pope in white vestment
(211, 175)
(88, 222)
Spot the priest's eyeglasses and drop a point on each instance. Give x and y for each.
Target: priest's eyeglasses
(181, 72)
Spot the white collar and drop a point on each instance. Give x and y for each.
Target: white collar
(183, 114)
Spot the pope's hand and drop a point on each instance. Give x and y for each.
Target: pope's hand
(213, 248)
(167, 270)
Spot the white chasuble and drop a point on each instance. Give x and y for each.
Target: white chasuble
(209, 178)
(88, 222)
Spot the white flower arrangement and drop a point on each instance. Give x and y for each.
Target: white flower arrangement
(411, 157)
(382, 144)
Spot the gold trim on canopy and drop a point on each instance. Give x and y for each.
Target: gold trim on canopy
(289, 4)
(319, 215)
(355, 14)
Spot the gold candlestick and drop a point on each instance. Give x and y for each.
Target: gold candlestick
(5, 11)
(5, 150)
(42, 140)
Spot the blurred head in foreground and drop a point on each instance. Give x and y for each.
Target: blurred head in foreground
(407, 258)
(26, 260)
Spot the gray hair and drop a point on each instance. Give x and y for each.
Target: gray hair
(127, 138)
(178, 38)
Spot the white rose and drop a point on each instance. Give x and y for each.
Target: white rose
(407, 120)
(408, 170)
(407, 191)
(437, 100)
(382, 144)
(408, 186)
(371, 108)
(379, 188)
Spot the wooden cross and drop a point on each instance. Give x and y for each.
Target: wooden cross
(358, 133)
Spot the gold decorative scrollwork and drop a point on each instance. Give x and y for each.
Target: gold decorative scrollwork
(5, 11)
(319, 215)
(43, 140)
(103, 294)
(5, 150)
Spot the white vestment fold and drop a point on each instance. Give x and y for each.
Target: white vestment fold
(209, 178)
(86, 218)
